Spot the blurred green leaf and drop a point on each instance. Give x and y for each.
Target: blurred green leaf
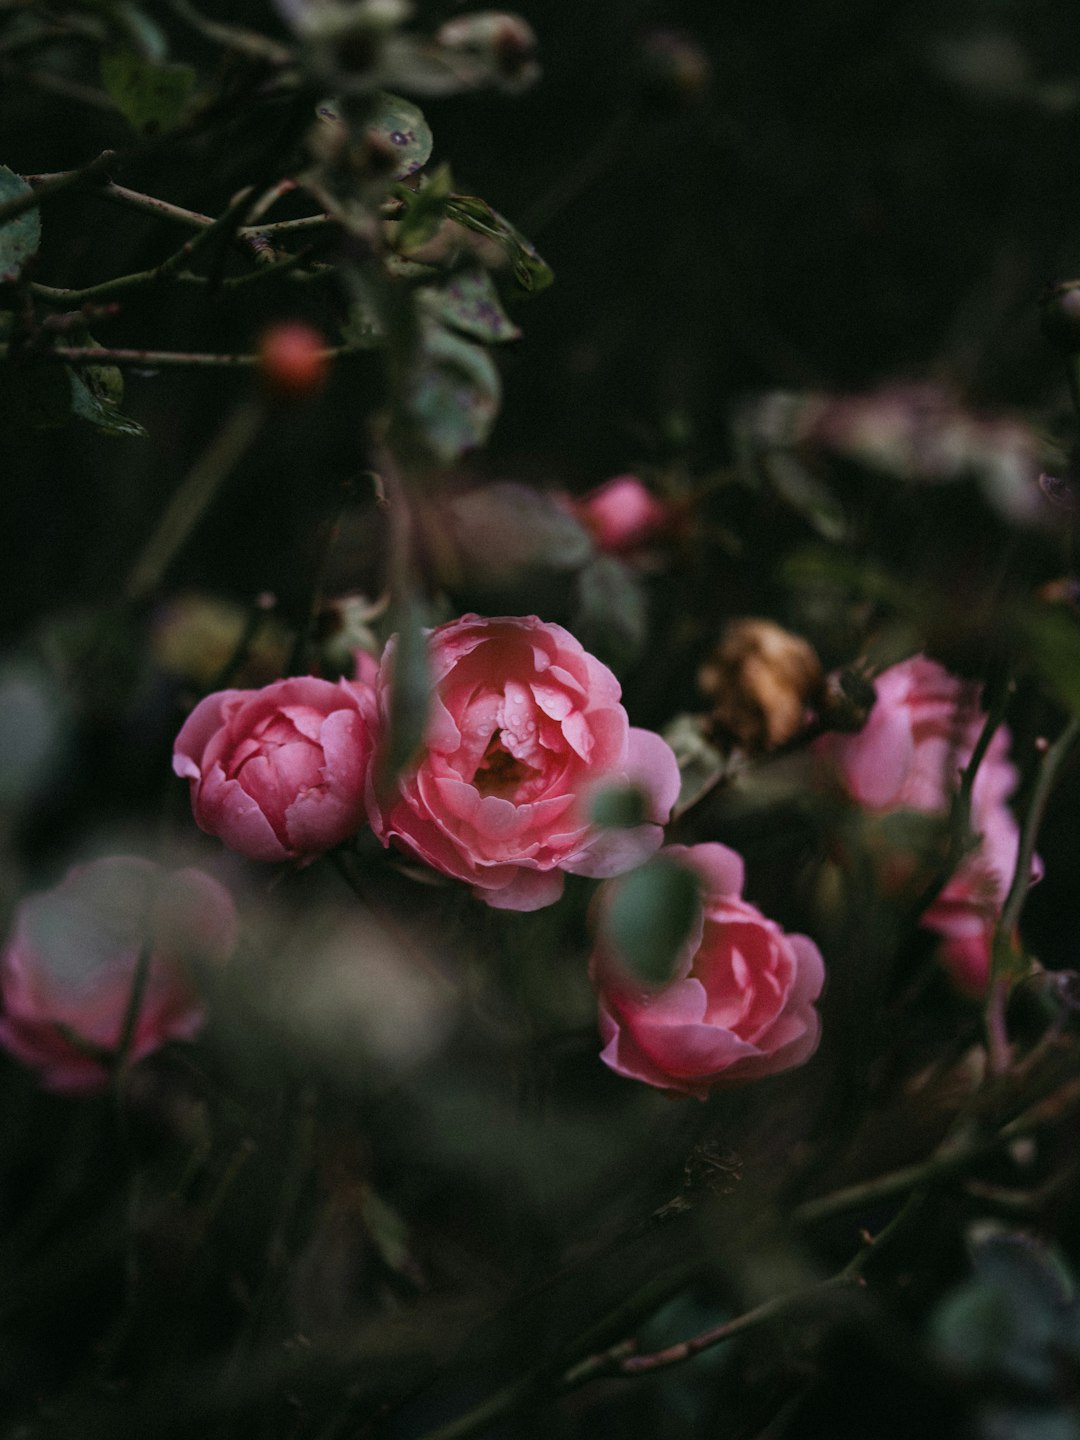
(1014, 1317)
(650, 917)
(402, 126)
(531, 272)
(410, 691)
(19, 238)
(807, 495)
(151, 96)
(1052, 637)
(469, 303)
(611, 618)
(452, 393)
(619, 807)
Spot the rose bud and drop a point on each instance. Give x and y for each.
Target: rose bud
(69, 968)
(739, 1006)
(524, 727)
(293, 362)
(279, 773)
(622, 515)
(761, 680)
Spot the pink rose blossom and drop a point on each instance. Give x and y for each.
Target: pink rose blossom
(524, 727)
(909, 756)
(278, 773)
(68, 969)
(740, 1004)
(622, 514)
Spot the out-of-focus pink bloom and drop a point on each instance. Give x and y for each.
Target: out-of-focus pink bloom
(740, 1004)
(279, 773)
(69, 967)
(909, 756)
(622, 515)
(524, 727)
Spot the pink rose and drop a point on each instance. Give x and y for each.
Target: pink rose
(622, 514)
(524, 727)
(278, 773)
(67, 971)
(740, 1004)
(909, 756)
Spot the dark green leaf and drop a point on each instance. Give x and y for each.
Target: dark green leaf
(610, 619)
(19, 238)
(152, 97)
(650, 917)
(1052, 638)
(425, 210)
(451, 394)
(531, 272)
(469, 302)
(91, 400)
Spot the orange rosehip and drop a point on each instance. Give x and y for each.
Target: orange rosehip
(292, 359)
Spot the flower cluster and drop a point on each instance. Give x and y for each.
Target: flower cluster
(524, 729)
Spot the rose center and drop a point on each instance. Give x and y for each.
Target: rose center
(499, 771)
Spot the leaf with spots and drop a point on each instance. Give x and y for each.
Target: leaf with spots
(469, 302)
(19, 238)
(402, 126)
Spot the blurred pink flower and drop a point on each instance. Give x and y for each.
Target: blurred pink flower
(68, 969)
(909, 756)
(622, 515)
(524, 728)
(740, 1005)
(278, 773)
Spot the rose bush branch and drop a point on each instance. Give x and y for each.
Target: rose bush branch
(55, 185)
(1003, 949)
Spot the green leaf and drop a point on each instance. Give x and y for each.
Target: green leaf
(19, 238)
(451, 394)
(611, 619)
(410, 693)
(402, 126)
(531, 272)
(651, 916)
(619, 807)
(92, 400)
(1052, 637)
(152, 97)
(425, 210)
(469, 302)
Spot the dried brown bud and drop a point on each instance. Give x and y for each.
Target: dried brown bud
(761, 680)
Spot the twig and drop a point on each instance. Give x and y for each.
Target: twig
(161, 359)
(19, 204)
(193, 496)
(244, 42)
(1002, 948)
(620, 1360)
(143, 279)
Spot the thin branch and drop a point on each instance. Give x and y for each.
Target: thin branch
(19, 204)
(193, 496)
(165, 359)
(1002, 948)
(144, 279)
(619, 1361)
(250, 43)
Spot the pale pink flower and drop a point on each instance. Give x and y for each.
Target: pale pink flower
(69, 967)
